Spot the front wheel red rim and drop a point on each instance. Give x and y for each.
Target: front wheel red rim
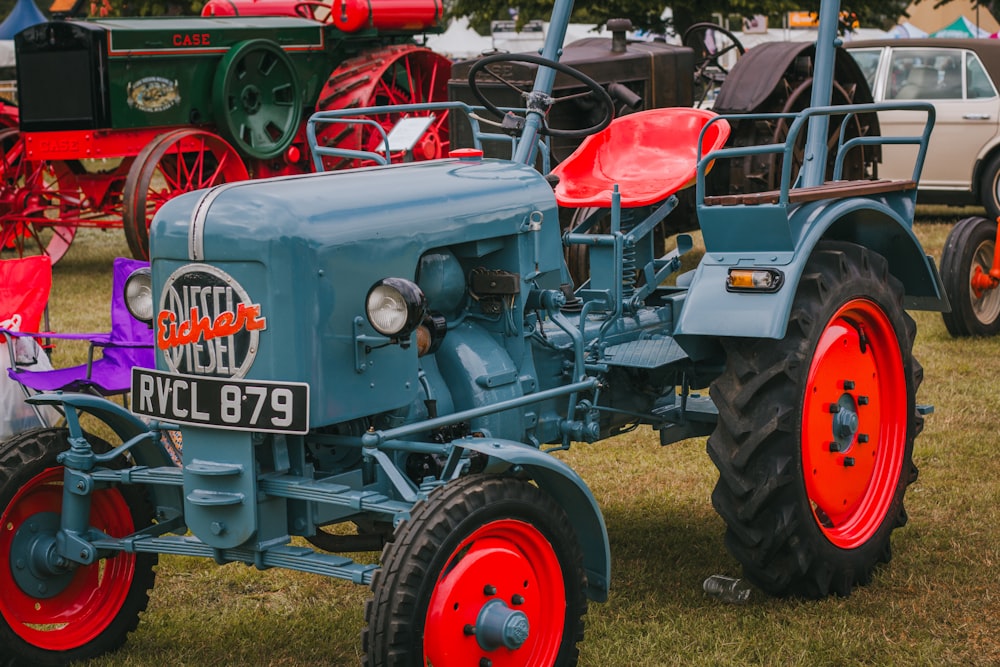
(854, 424)
(91, 600)
(507, 565)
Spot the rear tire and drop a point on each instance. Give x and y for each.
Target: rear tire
(969, 250)
(75, 613)
(811, 494)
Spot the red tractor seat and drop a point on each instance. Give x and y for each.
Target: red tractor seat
(650, 155)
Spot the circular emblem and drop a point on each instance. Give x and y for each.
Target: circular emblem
(206, 323)
(153, 93)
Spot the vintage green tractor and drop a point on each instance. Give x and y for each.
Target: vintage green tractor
(388, 356)
(117, 116)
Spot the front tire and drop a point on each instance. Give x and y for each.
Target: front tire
(815, 435)
(56, 615)
(965, 266)
(485, 568)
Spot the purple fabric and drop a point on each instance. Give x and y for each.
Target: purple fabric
(128, 344)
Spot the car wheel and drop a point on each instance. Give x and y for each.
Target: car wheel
(989, 188)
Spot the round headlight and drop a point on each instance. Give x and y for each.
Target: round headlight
(395, 306)
(139, 294)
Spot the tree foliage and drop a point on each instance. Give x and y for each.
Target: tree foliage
(120, 7)
(646, 14)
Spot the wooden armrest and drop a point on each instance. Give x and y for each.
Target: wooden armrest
(829, 190)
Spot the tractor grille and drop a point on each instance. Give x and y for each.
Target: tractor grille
(60, 77)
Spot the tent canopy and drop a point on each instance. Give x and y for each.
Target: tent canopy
(961, 27)
(24, 15)
(931, 16)
(906, 30)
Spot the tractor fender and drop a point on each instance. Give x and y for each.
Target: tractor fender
(148, 453)
(569, 490)
(869, 222)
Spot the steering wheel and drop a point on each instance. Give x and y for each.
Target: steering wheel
(710, 44)
(595, 90)
(314, 10)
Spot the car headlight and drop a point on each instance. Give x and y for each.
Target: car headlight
(139, 294)
(395, 307)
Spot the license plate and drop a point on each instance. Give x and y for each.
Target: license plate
(245, 405)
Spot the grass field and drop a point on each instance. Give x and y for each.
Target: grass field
(937, 603)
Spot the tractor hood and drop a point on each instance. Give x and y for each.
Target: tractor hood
(291, 261)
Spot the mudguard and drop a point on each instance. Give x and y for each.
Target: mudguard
(875, 223)
(569, 490)
(149, 453)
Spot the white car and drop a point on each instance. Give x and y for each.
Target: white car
(960, 77)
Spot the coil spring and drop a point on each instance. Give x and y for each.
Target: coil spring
(629, 268)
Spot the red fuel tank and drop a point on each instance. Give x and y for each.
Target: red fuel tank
(388, 15)
(346, 15)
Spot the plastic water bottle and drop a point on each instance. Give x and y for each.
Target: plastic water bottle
(727, 589)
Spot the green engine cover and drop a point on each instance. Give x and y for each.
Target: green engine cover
(179, 71)
(174, 71)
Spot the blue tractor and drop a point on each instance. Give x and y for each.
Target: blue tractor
(398, 349)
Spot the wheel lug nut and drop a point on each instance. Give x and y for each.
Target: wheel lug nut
(469, 629)
(834, 447)
(489, 590)
(848, 461)
(848, 385)
(862, 400)
(485, 662)
(834, 408)
(517, 599)
(862, 438)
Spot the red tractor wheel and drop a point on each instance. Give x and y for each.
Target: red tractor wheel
(172, 164)
(9, 114)
(486, 569)
(52, 611)
(814, 442)
(34, 196)
(400, 74)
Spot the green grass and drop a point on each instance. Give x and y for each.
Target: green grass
(935, 604)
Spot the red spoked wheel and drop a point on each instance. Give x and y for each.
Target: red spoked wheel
(399, 74)
(34, 197)
(487, 569)
(10, 114)
(172, 164)
(814, 441)
(53, 611)
(853, 419)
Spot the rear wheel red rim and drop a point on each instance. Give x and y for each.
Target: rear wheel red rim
(399, 74)
(854, 424)
(505, 561)
(171, 165)
(34, 197)
(93, 598)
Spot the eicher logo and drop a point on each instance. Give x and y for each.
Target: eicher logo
(207, 323)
